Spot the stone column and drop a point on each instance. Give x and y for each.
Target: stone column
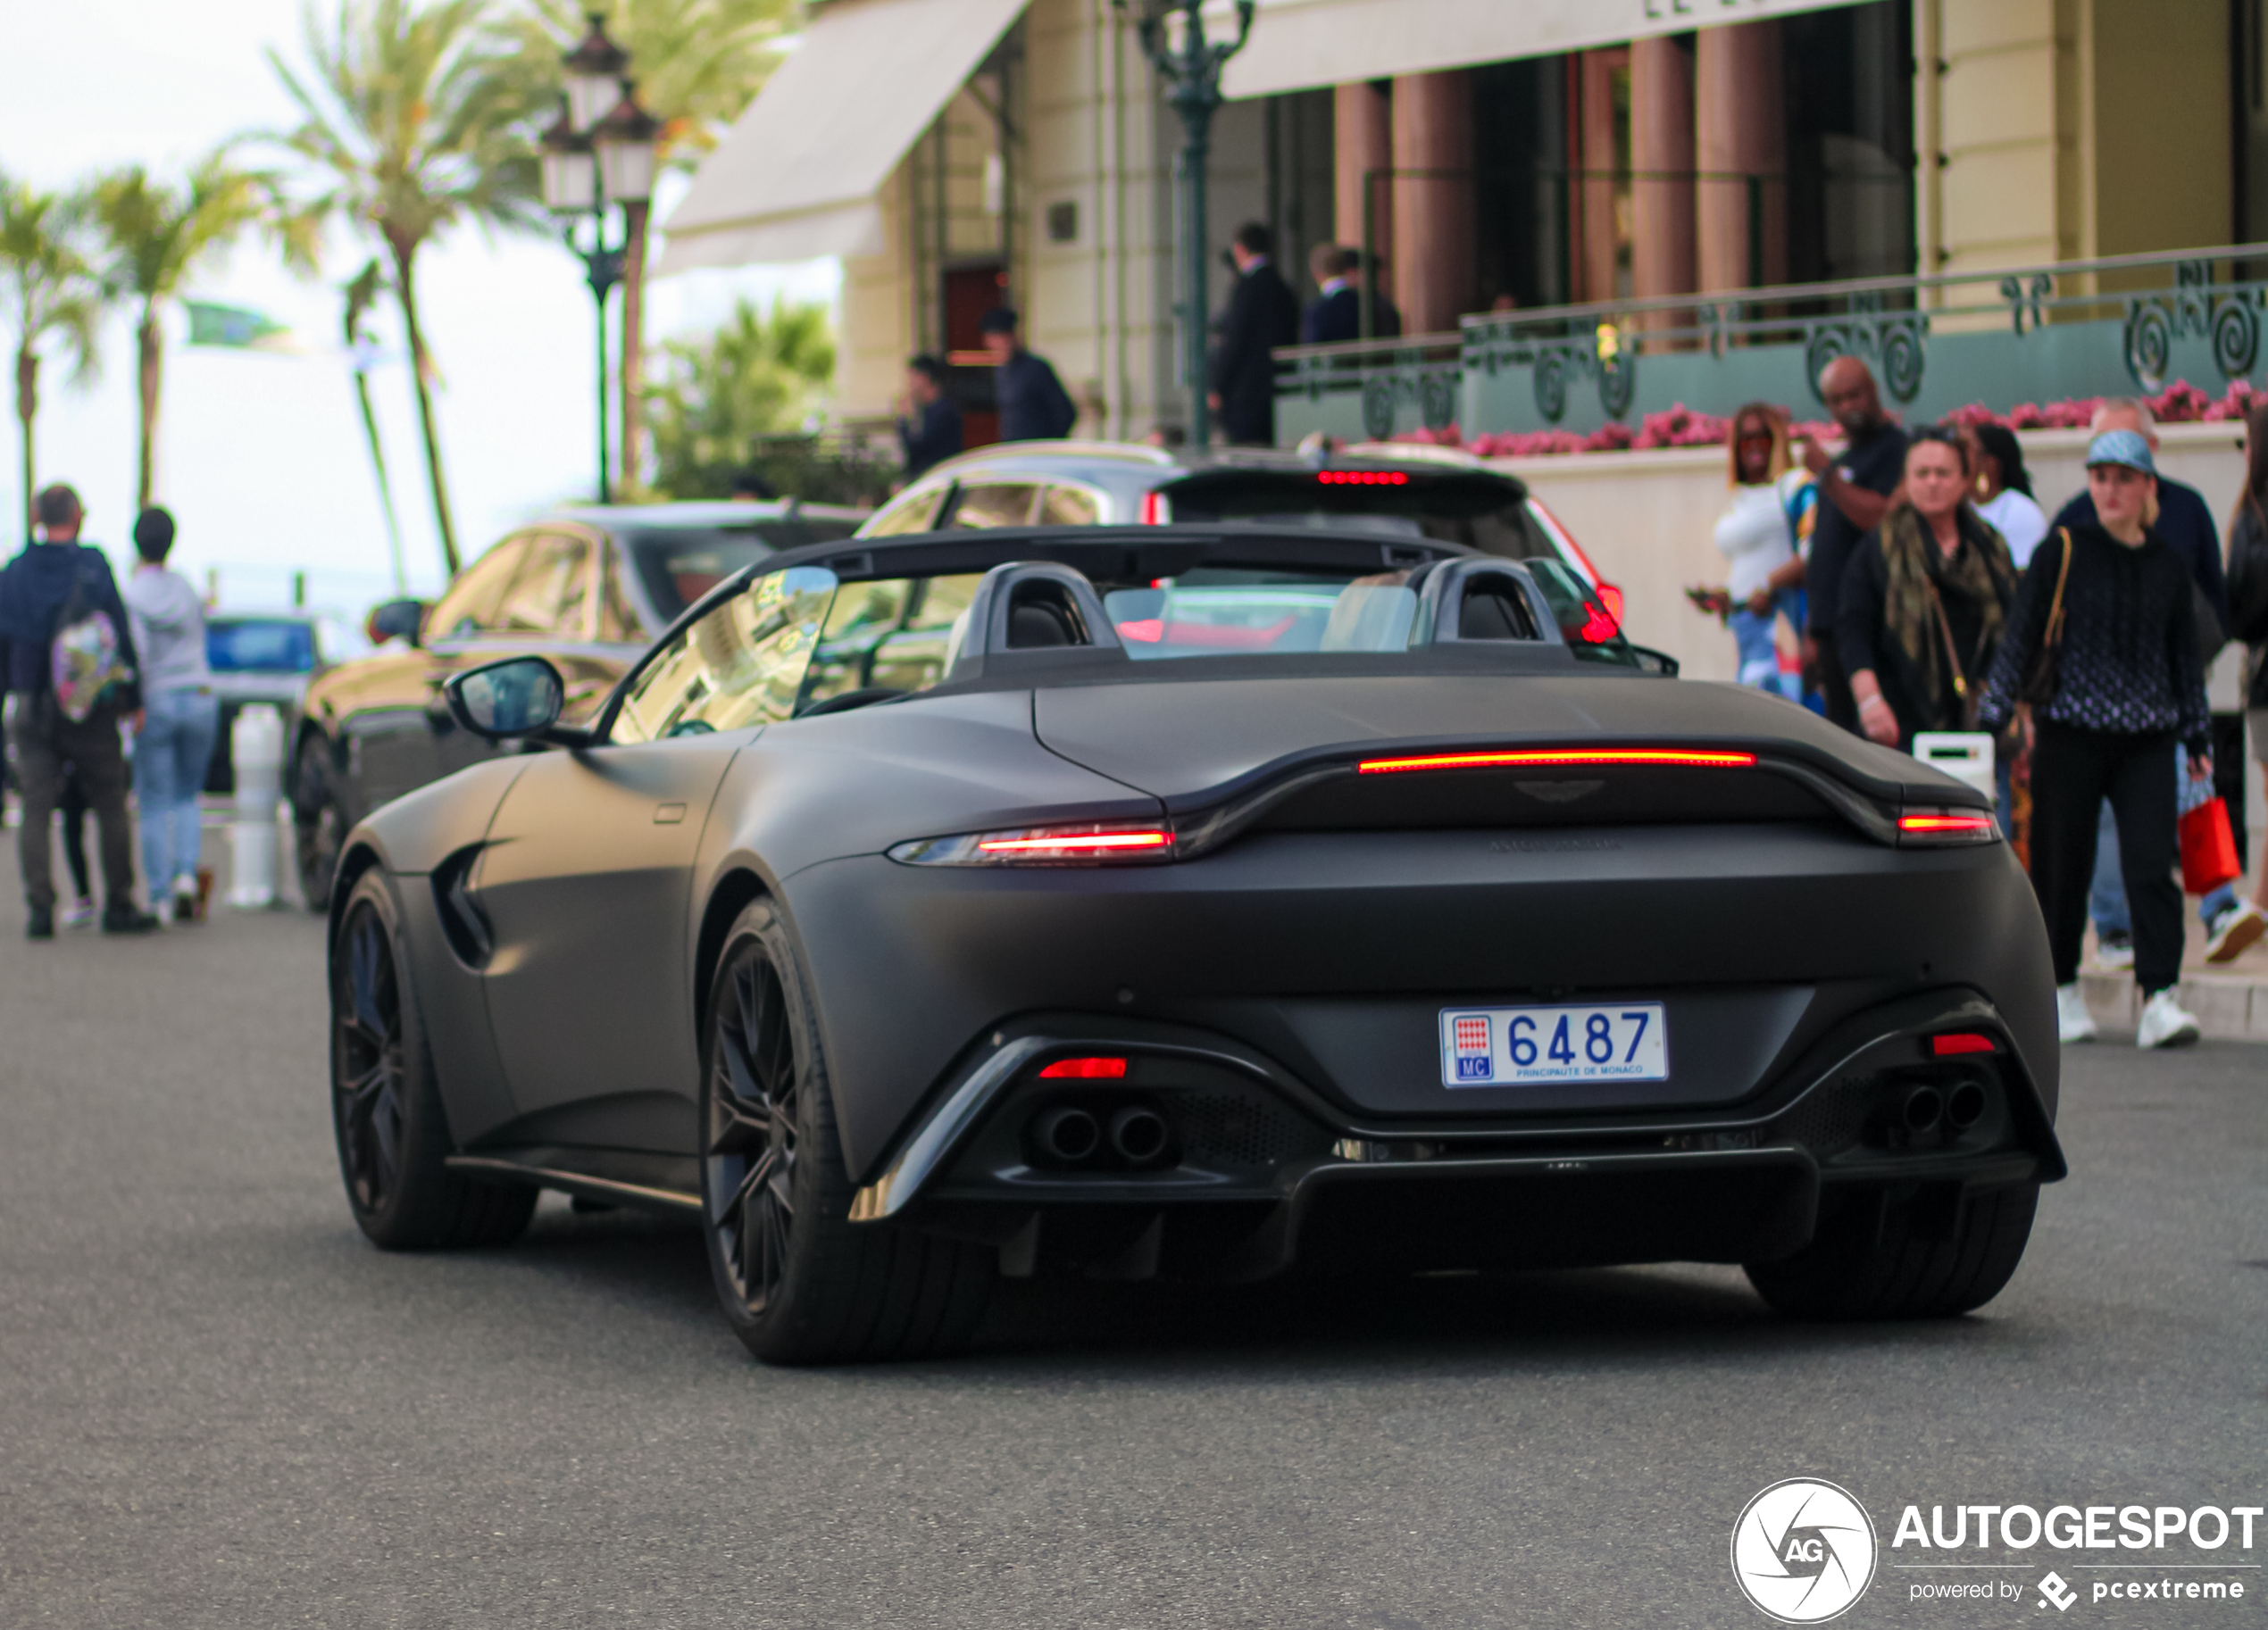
(1361, 147)
(1662, 156)
(1593, 198)
(1433, 224)
(1740, 132)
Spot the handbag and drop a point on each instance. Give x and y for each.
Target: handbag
(2041, 678)
(2208, 848)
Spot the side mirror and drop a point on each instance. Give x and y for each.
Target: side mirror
(521, 695)
(395, 620)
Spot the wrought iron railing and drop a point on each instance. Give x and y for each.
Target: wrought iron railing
(2071, 328)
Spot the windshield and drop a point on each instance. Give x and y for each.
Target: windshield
(678, 566)
(259, 645)
(1479, 510)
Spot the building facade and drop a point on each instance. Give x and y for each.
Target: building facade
(1487, 155)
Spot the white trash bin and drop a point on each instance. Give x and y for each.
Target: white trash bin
(1966, 755)
(256, 747)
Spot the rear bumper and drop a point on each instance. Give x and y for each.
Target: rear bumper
(1262, 1170)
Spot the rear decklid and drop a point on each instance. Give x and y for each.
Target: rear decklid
(1299, 746)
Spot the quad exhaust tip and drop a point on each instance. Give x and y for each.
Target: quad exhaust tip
(1139, 1135)
(1965, 1106)
(1924, 1107)
(1067, 1133)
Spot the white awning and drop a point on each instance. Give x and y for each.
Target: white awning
(797, 175)
(1301, 44)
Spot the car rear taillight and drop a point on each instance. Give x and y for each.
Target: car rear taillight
(1155, 512)
(1085, 1069)
(1089, 843)
(1531, 758)
(1960, 1042)
(1935, 828)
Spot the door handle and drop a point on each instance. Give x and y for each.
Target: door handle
(668, 814)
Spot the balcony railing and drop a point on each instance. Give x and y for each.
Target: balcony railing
(2071, 329)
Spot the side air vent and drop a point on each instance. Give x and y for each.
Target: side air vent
(462, 922)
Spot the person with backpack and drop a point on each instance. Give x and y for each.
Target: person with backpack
(70, 671)
(181, 718)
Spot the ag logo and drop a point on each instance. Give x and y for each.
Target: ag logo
(1803, 1551)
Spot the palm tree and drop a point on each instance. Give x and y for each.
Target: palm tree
(755, 376)
(698, 64)
(156, 238)
(406, 119)
(47, 286)
(362, 294)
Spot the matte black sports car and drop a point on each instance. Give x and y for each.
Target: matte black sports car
(1188, 902)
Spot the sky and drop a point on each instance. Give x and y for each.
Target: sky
(260, 456)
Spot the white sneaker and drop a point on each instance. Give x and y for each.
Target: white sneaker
(2074, 1022)
(2164, 1024)
(184, 900)
(2232, 931)
(2114, 952)
(79, 914)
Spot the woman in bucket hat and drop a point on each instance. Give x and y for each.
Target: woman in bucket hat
(2117, 686)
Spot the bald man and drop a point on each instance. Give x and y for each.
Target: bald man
(1856, 490)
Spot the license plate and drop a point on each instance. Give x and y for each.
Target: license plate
(1517, 1046)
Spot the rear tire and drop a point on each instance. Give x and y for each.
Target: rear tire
(1881, 1255)
(318, 824)
(386, 1110)
(799, 1282)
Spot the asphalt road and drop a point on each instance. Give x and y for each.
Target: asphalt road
(219, 1407)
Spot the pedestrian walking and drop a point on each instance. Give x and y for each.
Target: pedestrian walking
(180, 719)
(2184, 523)
(1854, 494)
(2247, 585)
(1034, 406)
(2003, 497)
(929, 421)
(70, 671)
(1762, 535)
(1262, 315)
(1925, 600)
(2103, 642)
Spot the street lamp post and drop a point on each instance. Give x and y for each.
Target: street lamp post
(600, 151)
(1192, 75)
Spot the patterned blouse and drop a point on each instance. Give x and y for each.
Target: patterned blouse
(2129, 663)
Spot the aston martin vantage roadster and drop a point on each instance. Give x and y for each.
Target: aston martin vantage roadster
(1188, 902)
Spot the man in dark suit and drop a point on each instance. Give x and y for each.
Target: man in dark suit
(1034, 405)
(1337, 313)
(1262, 315)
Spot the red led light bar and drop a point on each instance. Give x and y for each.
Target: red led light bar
(1153, 509)
(1947, 823)
(1949, 1046)
(1078, 842)
(1680, 757)
(1085, 1069)
(1363, 478)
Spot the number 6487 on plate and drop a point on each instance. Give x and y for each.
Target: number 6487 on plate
(1514, 1046)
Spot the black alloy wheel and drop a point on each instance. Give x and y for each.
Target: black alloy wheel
(318, 826)
(798, 1281)
(393, 1132)
(751, 1150)
(367, 1060)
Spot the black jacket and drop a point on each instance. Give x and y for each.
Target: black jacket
(930, 437)
(2249, 594)
(1338, 316)
(1034, 405)
(33, 590)
(1262, 315)
(1863, 641)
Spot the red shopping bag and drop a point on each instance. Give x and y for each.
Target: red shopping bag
(2208, 848)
